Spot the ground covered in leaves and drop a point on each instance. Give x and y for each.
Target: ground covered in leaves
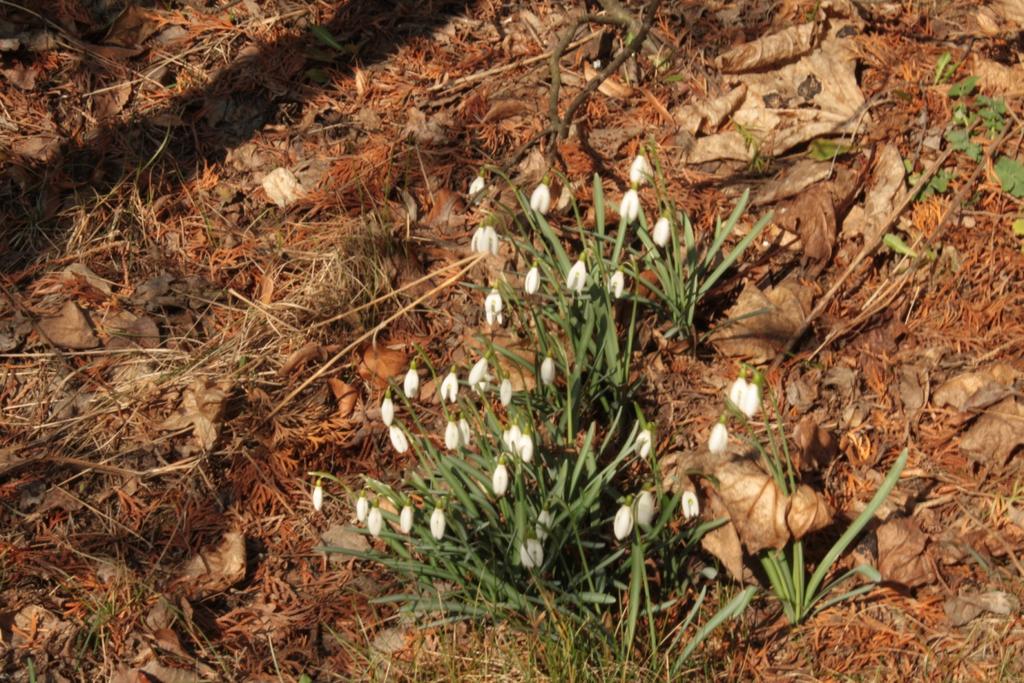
(227, 224)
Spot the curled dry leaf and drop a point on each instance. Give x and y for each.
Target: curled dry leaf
(976, 390)
(965, 608)
(812, 216)
(808, 512)
(996, 433)
(70, 329)
(381, 364)
(816, 447)
(202, 409)
(770, 50)
(760, 323)
(302, 355)
(723, 542)
(214, 569)
(901, 553)
(756, 506)
(345, 394)
(882, 195)
(282, 187)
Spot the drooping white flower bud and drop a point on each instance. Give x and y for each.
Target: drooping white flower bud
(398, 438)
(465, 436)
(540, 200)
(623, 524)
(691, 508)
(511, 437)
(374, 521)
(387, 410)
(499, 480)
(719, 439)
(478, 375)
(640, 170)
(411, 384)
(543, 525)
(362, 509)
(750, 400)
(645, 509)
(644, 442)
(524, 447)
(405, 519)
(492, 308)
(662, 232)
(617, 284)
(576, 279)
(531, 554)
(532, 282)
(318, 495)
(437, 523)
(477, 186)
(629, 207)
(736, 391)
(547, 371)
(485, 240)
(450, 387)
(505, 392)
(451, 435)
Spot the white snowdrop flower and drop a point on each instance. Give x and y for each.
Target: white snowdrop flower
(532, 283)
(485, 240)
(477, 186)
(492, 308)
(374, 522)
(405, 519)
(644, 442)
(318, 496)
(499, 480)
(524, 447)
(617, 284)
(450, 387)
(662, 232)
(531, 554)
(691, 508)
(478, 375)
(640, 170)
(736, 391)
(398, 438)
(719, 439)
(511, 437)
(540, 200)
(451, 435)
(576, 279)
(645, 508)
(437, 523)
(543, 525)
(465, 436)
(362, 509)
(387, 410)
(505, 392)
(629, 207)
(411, 384)
(547, 371)
(623, 524)
(750, 400)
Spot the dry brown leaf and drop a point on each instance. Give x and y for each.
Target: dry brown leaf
(127, 330)
(214, 569)
(381, 364)
(808, 511)
(507, 107)
(80, 273)
(611, 86)
(996, 433)
(965, 608)
(978, 389)
(300, 356)
(723, 542)
(282, 187)
(816, 445)
(21, 76)
(133, 27)
(791, 182)
(707, 115)
(760, 323)
(1012, 11)
(427, 132)
(999, 79)
(812, 216)
(882, 195)
(776, 48)
(202, 409)
(448, 205)
(345, 394)
(901, 553)
(756, 506)
(70, 329)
